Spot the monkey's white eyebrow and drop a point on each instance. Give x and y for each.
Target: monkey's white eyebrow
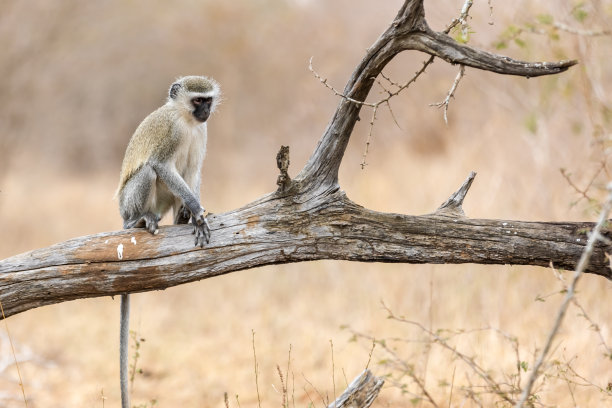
(208, 94)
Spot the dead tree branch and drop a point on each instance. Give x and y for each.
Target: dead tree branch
(360, 393)
(309, 217)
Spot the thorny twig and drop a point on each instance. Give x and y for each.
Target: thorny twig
(367, 144)
(583, 313)
(462, 19)
(478, 370)
(583, 192)
(582, 264)
(405, 367)
(374, 105)
(334, 90)
(567, 366)
(450, 94)
(491, 383)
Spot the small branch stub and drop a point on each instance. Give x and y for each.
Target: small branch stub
(282, 161)
(360, 393)
(452, 206)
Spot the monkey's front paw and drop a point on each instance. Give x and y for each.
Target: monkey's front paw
(202, 232)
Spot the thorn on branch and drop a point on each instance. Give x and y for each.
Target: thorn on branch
(453, 205)
(282, 161)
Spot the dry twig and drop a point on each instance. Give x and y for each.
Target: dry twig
(450, 94)
(582, 265)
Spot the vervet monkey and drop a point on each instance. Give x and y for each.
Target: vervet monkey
(161, 169)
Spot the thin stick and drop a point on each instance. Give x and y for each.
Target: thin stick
(450, 397)
(336, 92)
(331, 344)
(256, 375)
(462, 19)
(450, 94)
(283, 387)
(25, 401)
(582, 265)
(324, 399)
(370, 354)
(287, 378)
(577, 31)
(367, 145)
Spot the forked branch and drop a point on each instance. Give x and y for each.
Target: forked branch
(408, 31)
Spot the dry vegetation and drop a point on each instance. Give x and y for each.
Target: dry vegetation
(78, 78)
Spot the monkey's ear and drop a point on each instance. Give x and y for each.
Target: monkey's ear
(174, 90)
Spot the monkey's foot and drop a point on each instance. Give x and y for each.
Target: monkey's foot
(202, 231)
(182, 215)
(151, 221)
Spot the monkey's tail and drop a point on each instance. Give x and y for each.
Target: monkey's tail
(124, 337)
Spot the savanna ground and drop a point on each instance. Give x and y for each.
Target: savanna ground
(79, 77)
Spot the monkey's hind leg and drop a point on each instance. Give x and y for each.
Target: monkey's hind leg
(135, 201)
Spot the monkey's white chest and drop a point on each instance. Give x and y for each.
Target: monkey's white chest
(190, 153)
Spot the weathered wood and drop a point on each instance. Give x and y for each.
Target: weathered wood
(360, 393)
(281, 229)
(309, 217)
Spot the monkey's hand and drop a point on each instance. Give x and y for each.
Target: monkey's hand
(201, 229)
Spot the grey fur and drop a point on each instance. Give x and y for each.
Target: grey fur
(161, 170)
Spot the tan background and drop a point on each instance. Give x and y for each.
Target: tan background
(78, 77)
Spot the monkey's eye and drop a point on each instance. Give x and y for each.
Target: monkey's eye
(197, 101)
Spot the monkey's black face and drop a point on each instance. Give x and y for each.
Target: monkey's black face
(201, 108)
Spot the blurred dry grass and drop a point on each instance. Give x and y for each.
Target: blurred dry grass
(79, 76)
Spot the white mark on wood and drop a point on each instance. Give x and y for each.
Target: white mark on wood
(106, 242)
(504, 223)
(133, 240)
(578, 240)
(507, 232)
(120, 251)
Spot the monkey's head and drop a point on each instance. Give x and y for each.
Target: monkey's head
(197, 95)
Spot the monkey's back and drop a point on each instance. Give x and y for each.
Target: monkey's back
(153, 135)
